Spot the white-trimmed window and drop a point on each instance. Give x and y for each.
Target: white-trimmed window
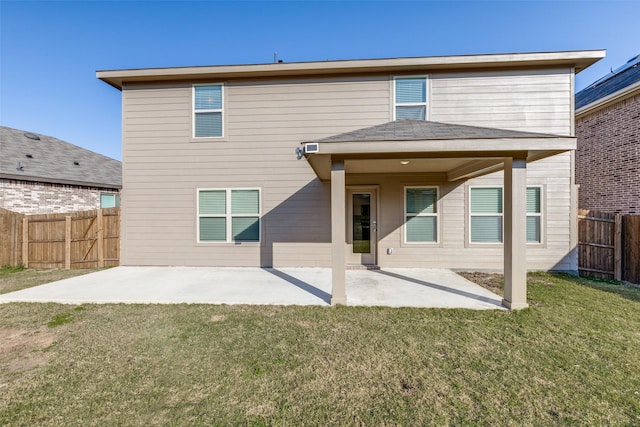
(421, 214)
(485, 208)
(534, 214)
(486, 214)
(207, 111)
(109, 200)
(229, 215)
(410, 98)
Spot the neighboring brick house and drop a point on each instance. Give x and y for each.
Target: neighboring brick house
(41, 174)
(608, 131)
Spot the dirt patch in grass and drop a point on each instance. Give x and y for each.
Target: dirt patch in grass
(22, 350)
(12, 280)
(492, 281)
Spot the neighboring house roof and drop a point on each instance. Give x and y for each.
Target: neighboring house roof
(612, 86)
(418, 130)
(579, 60)
(33, 157)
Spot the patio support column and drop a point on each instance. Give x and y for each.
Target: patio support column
(515, 233)
(338, 233)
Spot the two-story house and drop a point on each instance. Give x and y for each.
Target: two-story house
(462, 162)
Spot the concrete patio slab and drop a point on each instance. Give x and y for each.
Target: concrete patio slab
(282, 286)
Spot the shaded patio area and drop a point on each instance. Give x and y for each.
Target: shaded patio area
(397, 287)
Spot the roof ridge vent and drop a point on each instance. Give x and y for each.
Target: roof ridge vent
(32, 136)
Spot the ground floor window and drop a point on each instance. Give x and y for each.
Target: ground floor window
(229, 215)
(534, 214)
(486, 214)
(421, 215)
(108, 200)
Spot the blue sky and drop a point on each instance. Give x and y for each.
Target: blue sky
(50, 51)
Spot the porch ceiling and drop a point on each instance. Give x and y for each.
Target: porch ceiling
(402, 165)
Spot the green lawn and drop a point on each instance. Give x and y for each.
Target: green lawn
(572, 358)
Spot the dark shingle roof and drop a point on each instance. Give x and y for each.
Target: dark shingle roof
(52, 160)
(414, 130)
(624, 76)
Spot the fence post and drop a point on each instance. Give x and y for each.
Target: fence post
(100, 238)
(25, 241)
(13, 240)
(617, 247)
(67, 243)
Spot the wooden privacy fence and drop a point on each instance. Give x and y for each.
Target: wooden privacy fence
(68, 240)
(609, 245)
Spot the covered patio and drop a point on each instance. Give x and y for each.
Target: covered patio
(447, 152)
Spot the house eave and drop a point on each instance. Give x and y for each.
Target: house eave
(481, 156)
(578, 60)
(60, 181)
(449, 147)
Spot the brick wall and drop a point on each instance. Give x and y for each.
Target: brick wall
(608, 158)
(38, 198)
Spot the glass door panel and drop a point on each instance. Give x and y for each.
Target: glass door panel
(361, 223)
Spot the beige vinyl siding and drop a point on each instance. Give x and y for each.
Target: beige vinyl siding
(454, 250)
(264, 122)
(532, 101)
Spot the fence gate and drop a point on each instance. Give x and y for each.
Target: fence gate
(597, 255)
(70, 240)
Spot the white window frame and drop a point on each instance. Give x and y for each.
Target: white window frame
(194, 112)
(471, 214)
(436, 215)
(229, 216)
(538, 214)
(412, 104)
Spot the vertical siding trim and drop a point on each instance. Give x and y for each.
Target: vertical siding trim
(392, 93)
(124, 258)
(573, 188)
(572, 116)
(429, 92)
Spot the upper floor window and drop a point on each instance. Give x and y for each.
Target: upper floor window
(410, 98)
(207, 111)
